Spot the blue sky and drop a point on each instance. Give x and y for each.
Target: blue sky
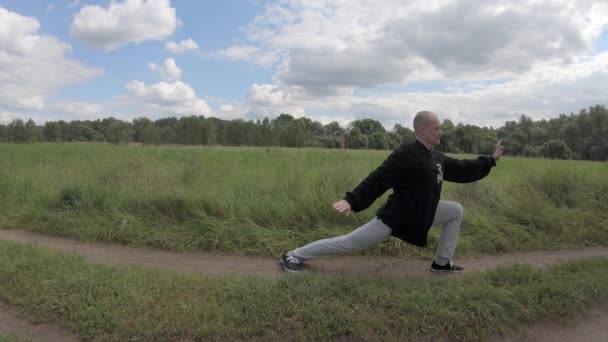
(473, 62)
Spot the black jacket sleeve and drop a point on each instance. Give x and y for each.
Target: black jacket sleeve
(468, 170)
(377, 182)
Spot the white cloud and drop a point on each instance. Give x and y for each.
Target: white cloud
(232, 111)
(545, 91)
(7, 117)
(32, 65)
(266, 95)
(267, 100)
(181, 47)
(247, 53)
(131, 21)
(483, 62)
(165, 99)
(74, 110)
(169, 71)
(322, 46)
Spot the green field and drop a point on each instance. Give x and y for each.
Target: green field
(263, 201)
(113, 303)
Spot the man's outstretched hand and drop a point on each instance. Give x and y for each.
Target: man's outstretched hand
(342, 206)
(500, 149)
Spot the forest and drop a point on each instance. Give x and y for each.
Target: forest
(583, 135)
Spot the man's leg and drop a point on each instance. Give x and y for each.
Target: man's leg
(449, 214)
(371, 233)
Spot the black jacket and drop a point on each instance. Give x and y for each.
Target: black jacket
(416, 175)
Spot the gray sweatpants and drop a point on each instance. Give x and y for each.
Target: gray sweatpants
(449, 214)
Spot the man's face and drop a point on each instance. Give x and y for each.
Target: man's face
(431, 133)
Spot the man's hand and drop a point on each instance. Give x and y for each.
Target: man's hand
(342, 206)
(500, 149)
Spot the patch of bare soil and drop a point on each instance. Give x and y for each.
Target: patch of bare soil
(12, 324)
(590, 326)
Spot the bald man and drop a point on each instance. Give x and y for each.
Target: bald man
(415, 172)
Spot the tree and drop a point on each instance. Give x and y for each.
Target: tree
(556, 149)
(532, 151)
(333, 129)
(525, 124)
(16, 131)
(599, 117)
(32, 132)
(296, 134)
(331, 142)
(394, 140)
(52, 131)
(119, 132)
(406, 134)
(516, 142)
(378, 141)
(3, 134)
(538, 136)
(144, 131)
(448, 138)
(166, 130)
(367, 126)
(356, 139)
(570, 134)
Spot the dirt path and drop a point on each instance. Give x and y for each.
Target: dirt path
(11, 324)
(591, 326)
(213, 264)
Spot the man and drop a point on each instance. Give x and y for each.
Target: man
(415, 172)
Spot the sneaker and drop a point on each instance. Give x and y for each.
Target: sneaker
(290, 264)
(449, 267)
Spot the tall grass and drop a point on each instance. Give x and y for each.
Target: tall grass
(262, 201)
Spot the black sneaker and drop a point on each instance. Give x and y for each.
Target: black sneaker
(290, 264)
(449, 267)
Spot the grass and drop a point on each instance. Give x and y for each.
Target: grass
(101, 302)
(10, 338)
(262, 201)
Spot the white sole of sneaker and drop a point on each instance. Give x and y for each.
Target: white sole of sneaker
(445, 271)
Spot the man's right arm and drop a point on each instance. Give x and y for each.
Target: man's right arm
(376, 183)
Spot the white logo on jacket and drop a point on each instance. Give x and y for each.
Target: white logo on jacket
(440, 175)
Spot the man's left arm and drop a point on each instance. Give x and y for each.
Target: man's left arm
(470, 170)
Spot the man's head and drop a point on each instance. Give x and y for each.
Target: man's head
(427, 128)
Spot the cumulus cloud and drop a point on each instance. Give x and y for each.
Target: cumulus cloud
(169, 71)
(480, 62)
(33, 65)
(324, 45)
(164, 98)
(545, 91)
(131, 21)
(181, 47)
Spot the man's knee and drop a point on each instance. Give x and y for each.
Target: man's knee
(457, 210)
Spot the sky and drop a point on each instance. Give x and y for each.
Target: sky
(473, 62)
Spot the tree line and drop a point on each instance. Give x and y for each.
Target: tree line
(574, 136)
